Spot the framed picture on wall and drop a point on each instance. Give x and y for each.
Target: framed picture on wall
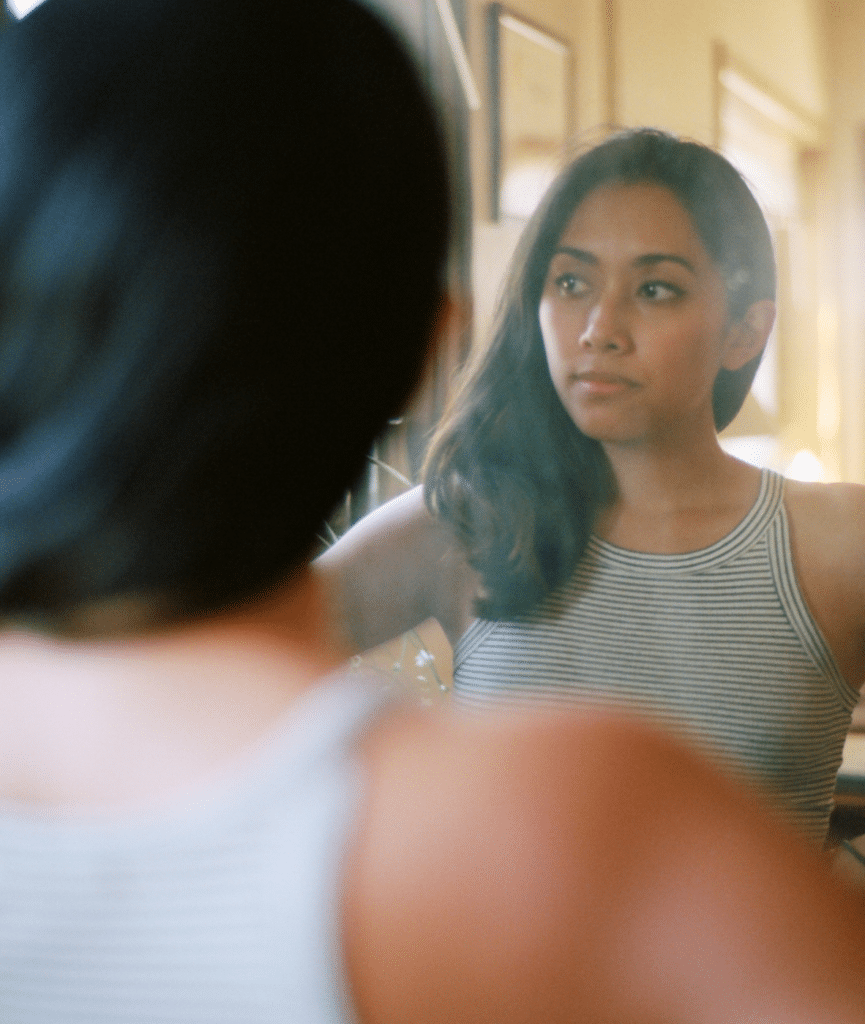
(530, 104)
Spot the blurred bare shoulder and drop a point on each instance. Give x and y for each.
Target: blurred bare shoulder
(581, 868)
(393, 570)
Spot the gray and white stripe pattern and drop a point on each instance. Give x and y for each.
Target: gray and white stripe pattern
(717, 645)
(220, 910)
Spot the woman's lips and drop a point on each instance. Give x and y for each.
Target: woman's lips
(594, 383)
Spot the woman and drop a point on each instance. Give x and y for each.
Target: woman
(205, 215)
(582, 538)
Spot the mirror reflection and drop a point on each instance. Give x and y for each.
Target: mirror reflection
(776, 90)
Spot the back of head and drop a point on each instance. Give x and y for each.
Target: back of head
(222, 229)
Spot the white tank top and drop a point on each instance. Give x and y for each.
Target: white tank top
(224, 910)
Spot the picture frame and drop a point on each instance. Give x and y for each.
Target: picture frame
(531, 74)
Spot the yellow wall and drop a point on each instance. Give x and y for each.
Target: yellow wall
(663, 65)
(664, 70)
(843, 262)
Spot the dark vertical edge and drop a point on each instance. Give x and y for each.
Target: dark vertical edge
(464, 218)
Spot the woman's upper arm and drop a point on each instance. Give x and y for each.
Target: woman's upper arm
(386, 574)
(828, 539)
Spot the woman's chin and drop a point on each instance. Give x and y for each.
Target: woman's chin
(606, 430)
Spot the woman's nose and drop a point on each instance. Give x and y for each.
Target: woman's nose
(604, 329)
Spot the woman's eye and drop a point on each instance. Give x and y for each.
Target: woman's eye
(570, 284)
(660, 291)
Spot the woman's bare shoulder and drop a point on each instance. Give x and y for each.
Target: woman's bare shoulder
(515, 868)
(827, 532)
(830, 520)
(455, 885)
(393, 570)
(837, 498)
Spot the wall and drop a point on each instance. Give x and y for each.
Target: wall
(844, 252)
(663, 57)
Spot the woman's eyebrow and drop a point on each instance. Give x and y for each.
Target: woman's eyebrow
(647, 260)
(578, 254)
(651, 258)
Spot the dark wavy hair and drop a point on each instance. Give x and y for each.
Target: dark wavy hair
(507, 468)
(222, 239)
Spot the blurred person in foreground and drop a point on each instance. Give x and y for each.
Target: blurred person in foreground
(223, 232)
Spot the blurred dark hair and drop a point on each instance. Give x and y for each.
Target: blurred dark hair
(222, 233)
(508, 468)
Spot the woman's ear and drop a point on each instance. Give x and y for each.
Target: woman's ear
(747, 337)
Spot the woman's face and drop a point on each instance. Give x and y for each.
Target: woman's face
(634, 318)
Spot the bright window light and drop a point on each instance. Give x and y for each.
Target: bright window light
(805, 466)
(761, 450)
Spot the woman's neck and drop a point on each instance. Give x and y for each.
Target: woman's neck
(681, 498)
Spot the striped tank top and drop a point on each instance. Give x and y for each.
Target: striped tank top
(716, 645)
(218, 908)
